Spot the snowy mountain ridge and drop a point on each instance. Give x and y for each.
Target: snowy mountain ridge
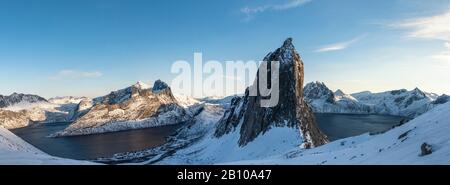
(15, 98)
(134, 107)
(397, 102)
(22, 110)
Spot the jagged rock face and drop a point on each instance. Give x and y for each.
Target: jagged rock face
(35, 109)
(291, 111)
(159, 86)
(15, 98)
(11, 119)
(130, 108)
(82, 108)
(323, 100)
(318, 90)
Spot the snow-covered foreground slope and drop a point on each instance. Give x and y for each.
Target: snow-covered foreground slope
(15, 151)
(401, 145)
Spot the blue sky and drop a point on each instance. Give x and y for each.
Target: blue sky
(90, 47)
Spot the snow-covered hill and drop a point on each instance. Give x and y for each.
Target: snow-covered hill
(323, 100)
(397, 102)
(15, 151)
(20, 110)
(15, 98)
(423, 140)
(134, 107)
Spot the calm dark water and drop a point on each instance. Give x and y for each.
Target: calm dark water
(93, 146)
(338, 126)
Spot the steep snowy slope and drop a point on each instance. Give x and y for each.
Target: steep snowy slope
(134, 107)
(423, 140)
(15, 151)
(186, 101)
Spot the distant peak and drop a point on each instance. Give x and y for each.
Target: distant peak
(159, 86)
(141, 85)
(318, 83)
(418, 91)
(339, 92)
(288, 43)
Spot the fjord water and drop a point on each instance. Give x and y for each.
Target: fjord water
(91, 147)
(338, 126)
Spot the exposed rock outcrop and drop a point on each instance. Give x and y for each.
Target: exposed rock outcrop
(323, 100)
(134, 107)
(252, 120)
(16, 98)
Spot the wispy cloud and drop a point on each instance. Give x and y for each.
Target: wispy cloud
(250, 12)
(443, 56)
(74, 74)
(436, 27)
(431, 27)
(340, 45)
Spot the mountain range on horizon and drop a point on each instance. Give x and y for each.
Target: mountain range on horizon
(399, 102)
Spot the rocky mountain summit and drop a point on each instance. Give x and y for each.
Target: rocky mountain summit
(251, 120)
(16, 98)
(134, 107)
(323, 100)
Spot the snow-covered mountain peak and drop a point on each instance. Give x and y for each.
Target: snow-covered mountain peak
(416, 91)
(286, 54)
(131, 108)
(339, 93)
(141, 85)
(323, 100)
(318, 90)
(159, 86)
(287, 44)
(16, 98)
